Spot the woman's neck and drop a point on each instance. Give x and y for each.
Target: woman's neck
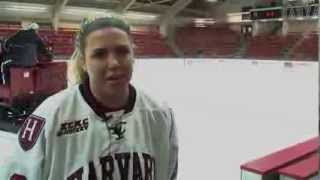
(113, 99)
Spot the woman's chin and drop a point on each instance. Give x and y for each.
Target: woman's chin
(116, 84)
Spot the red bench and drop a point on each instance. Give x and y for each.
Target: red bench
(27, 82)
(302, 170)
(21, 86)
(267, 166)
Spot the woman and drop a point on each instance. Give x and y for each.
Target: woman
(103, 128)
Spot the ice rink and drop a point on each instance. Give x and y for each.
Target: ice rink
(228, 111)
(232, 111)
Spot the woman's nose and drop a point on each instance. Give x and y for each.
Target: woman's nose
(112, 61)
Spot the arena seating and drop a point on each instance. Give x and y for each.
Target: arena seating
(7, 30)
(213, 41)
(268, 46)
(307, 49)
(273, 47)
(148, 40)
(60, 42)
(149, 43)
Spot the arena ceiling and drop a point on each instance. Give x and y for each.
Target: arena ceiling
(135, 11)
(73, 10)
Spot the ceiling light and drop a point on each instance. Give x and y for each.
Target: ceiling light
(26, 8)
(141, 16)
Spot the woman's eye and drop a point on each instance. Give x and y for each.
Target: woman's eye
(121, 51)
(100, 54)
(117, 51)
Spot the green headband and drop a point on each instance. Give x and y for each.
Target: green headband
(89, 25)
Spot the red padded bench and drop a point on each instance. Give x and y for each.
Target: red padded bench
(50, 78)
(267, 166)
(26, 82)
(22, 85)
(302, 170)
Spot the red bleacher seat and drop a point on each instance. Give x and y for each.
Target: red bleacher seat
(307, 49)
(304, 169)
(267, 46)
(275, 161)
(62, 41)
(147, 39)
(149, 43)
(214, 41)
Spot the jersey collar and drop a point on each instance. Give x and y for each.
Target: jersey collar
(101, 110)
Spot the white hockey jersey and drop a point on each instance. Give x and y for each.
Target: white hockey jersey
(69, 137)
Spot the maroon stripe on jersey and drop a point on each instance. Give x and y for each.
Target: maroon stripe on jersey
(18, 177)
(97, 107)
(92, 172)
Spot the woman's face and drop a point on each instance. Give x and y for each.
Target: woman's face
(108, 59)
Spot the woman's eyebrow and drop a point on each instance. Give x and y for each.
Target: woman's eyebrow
(99, 49)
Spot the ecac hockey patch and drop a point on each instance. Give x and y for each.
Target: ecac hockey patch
(30, 131)
(72, 127)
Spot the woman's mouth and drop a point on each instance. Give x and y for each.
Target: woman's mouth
(115, 78)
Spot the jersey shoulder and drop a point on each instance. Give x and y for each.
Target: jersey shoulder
(54, 107)
(160, 109)
(59, 100)
(148, 102)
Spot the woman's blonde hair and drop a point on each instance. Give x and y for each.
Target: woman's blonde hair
(76, 74)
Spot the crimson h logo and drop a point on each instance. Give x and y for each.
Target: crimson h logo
(30, 131)
(30, 127)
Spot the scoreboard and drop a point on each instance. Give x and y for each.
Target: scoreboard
(292, 12)
(266, 13)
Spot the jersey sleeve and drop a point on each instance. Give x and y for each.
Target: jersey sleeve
(173, 148)
(30, 157)
(27, 161)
